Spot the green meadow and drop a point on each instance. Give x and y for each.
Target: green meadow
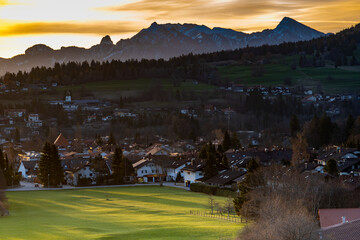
(145, 212)
(333, 80)
(116, 88)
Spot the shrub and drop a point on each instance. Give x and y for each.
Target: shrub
(212, 190)
(84, 182)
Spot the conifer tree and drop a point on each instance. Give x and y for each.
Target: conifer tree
(226, 141)
(331, 167)
(45, 165)
(210, 169)
(56, 168)
(50, 169)
(235, 142)
(112, 140)
(118, 166)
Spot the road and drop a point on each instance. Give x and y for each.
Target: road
(27, 186)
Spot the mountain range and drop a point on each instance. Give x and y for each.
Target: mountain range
(161, 41)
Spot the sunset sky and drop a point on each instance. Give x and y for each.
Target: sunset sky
(24, 23)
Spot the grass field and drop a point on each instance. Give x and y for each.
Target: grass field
(332, 80)
(335, 80)
(115, 89)
(274, 74)
(148, 212)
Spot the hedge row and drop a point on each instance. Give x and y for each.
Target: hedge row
(212, 190)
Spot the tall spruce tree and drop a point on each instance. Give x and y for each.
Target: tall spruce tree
(57, 171)
(111, 140)
(331, 167)
(50, 170)
(226, 141)
(118, 166)
(45, 165)
(210, 169)
(350, 122)
(235, 142)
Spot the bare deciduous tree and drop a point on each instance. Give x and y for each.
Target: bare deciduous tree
(212, 203)
(229, 206)
(300, 150)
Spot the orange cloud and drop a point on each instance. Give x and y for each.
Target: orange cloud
(98, 28)
(252, 15)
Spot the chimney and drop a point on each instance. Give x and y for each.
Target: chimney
(343, 218)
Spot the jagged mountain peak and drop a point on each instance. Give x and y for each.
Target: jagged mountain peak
(162, 41)
(106, 40)
(293, 25)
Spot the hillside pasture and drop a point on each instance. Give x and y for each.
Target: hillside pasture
(148, 212)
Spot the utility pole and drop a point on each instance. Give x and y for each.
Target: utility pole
(228, 118)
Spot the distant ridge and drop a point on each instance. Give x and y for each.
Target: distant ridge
(161, 41)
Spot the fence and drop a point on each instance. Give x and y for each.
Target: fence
(231, 218)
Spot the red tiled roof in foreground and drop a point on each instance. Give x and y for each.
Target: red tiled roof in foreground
(332, 217)
(346, 231)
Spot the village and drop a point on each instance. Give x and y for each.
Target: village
(211, 147)
(178, 162)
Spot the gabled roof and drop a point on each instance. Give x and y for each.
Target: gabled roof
(335, 153)
(342, 166)
(140, 163)
(333, 217)
(162, 161)
(196, 165)
(29, 165)
(74, 165)
(61, 141)
(225, 177)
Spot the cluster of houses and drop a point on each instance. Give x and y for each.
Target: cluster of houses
(179, 161)
(12, 118)
(265, 91)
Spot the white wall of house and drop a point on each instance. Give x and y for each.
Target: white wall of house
(23, 171)
(173, 172)
(148, 169)
(191, 177)
(85, 172)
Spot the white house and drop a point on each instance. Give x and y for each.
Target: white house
(34, 121)
(84, 172)
(173, 167)
(28, 169)
(148, 170)
(193, 172)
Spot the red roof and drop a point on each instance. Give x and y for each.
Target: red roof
(61, 141)
(346, 231)
(332, 217)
